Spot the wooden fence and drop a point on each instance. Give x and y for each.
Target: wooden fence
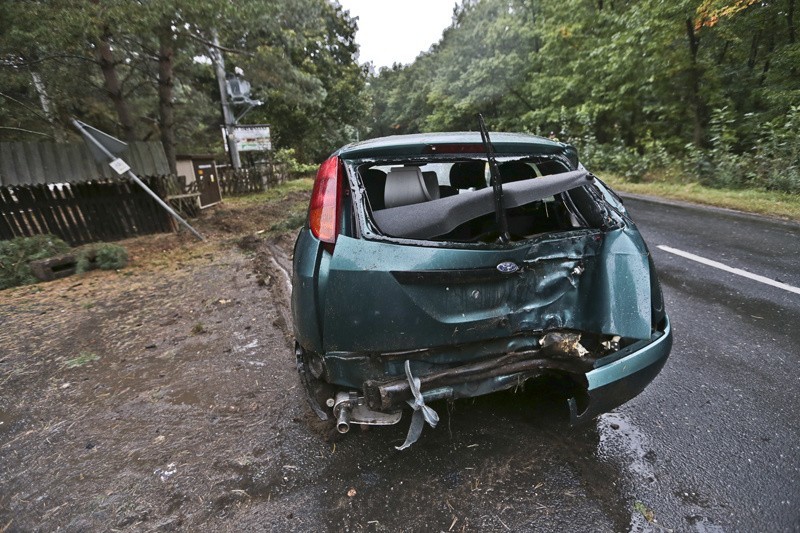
(80, 213)
(249, 180)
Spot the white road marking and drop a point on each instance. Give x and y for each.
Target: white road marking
(726, 268)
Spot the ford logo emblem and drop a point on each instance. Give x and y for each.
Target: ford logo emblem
(508, 267)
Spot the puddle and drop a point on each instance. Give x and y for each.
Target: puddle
(701, 524)
(619, 436)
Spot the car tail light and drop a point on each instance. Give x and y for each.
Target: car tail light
(323, 215)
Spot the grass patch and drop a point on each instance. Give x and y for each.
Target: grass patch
(275, 193)
(775, 204)
(105, 256)
(646, 512)
(84, 358)
(293, 220)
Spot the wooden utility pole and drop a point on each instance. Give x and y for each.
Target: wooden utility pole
(227, 112)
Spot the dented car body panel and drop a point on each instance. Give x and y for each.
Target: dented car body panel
(449, 305)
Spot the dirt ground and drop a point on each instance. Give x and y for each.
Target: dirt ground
(142, 398)
(164, 397)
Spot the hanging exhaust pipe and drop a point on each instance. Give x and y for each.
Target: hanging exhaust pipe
(343, 420)
(342, 409)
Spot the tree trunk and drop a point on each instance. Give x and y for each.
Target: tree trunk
(166, 83)
(113, 86)
(770, 49)
(695, 99)
(790, 21)
(47, 107)
(751, 60)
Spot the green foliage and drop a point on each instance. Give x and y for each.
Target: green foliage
(299, 56)
(772, 164)
(83, 358)
(105, 256)
(637, 86)
(645, 511)
(286, 156)
(15, 254)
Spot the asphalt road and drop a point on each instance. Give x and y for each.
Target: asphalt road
(720, 424)
(712, 445)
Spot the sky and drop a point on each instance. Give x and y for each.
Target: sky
(396, 31)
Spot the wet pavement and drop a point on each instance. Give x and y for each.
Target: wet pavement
(720, 422)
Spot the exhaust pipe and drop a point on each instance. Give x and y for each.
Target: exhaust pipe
(343, 419)
(348, 407)
(342, 409)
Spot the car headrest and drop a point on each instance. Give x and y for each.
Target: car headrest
(467, 174)
(515, 171)
(407, 185)
(375, 183)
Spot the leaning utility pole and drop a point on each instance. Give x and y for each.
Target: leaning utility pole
(105, 149)
(227, 112)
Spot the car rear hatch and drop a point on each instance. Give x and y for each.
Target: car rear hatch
(445, 301)
(405, 297)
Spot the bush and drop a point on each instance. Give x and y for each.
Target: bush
(631, 162)
(104, 256)
(769, 158)
(772, 164)
(17, 253)
(286, 156)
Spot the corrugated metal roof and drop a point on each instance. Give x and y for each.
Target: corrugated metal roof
(23, 163)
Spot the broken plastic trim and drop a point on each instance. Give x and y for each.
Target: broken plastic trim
(367, 225)
(438, 217)
(558, 352)
(422, 413)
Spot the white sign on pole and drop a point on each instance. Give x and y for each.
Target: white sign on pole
(252, 138)
(119, 166)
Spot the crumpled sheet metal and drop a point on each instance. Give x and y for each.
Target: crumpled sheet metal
(422, 413)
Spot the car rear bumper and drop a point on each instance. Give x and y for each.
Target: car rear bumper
(616, 382)
(612, 381)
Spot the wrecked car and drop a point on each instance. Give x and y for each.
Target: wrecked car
(453, 265)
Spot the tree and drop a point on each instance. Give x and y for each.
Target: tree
(135, 68)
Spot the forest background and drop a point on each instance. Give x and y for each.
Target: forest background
(705, 91)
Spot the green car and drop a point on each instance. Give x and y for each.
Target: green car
(452, 265)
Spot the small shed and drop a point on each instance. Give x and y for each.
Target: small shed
(200, 173)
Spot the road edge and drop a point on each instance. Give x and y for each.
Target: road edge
(705, 207)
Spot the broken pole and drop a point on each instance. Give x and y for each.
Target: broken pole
(105, 150)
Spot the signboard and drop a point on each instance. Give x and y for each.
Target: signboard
(119, 166)
(252, 138)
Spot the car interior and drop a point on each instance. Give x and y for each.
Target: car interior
(399, 194)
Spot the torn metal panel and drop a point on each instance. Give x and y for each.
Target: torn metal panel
(558, 351)
(422, 413)
(579, 281)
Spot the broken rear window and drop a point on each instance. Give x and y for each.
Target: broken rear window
(452, 200)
